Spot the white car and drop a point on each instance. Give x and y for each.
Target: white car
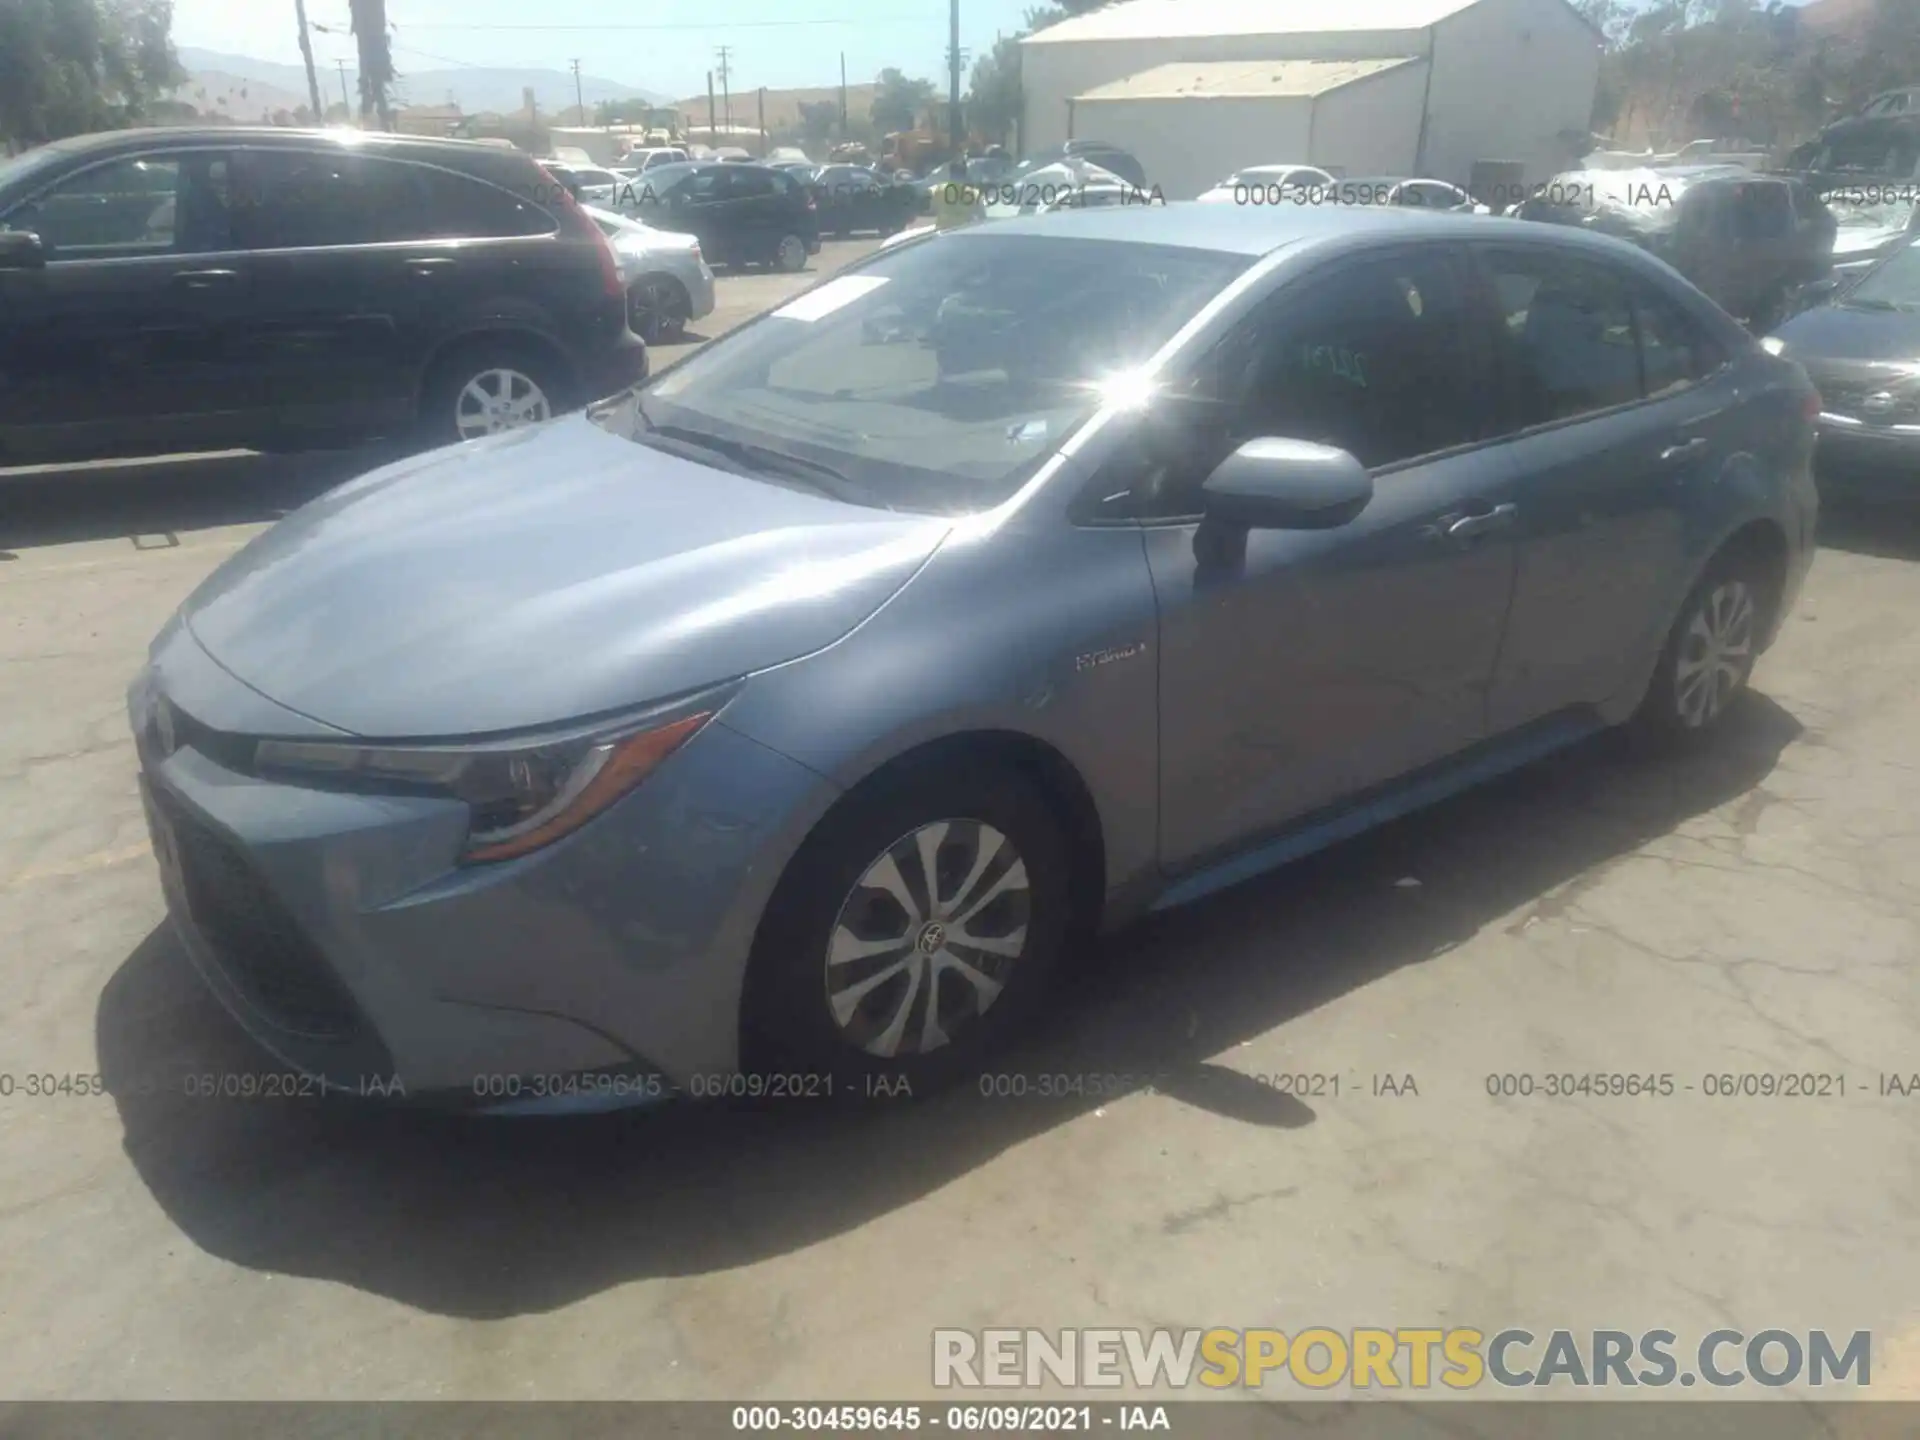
(1068, 186)
(667, 278)
(1259, 184)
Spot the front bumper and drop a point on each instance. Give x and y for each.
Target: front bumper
(1869, 461)
(337, 928)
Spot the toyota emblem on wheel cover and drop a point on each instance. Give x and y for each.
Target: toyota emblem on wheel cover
(1881, 402)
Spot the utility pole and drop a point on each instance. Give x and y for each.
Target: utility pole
(763, 119)
(579, 99)
(726, 74)
(306, 54)
(953, 79)
(713, 115)
(345, 99)
(843, 94)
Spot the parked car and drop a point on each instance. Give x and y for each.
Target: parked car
(1267, 184)
(588, 183)
(1751, 242)
(1861, 348)
(852, 198)
(794, 714)
(205, 289)
(651, 157)
(743, 214)
(1874, 220)
(1414, 194)
(668, 282)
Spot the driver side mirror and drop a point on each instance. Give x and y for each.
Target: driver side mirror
(22, 250)
(1277, 484)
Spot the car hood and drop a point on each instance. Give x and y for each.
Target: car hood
(544, 575)
(1859, 241)
(1835, 332)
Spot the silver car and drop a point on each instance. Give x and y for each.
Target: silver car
(668, 280)
(779, 725)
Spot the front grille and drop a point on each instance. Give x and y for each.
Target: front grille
(257, 942)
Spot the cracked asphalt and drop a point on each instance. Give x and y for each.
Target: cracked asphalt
(1750, 911)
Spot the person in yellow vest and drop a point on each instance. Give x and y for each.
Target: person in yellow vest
(955, 202)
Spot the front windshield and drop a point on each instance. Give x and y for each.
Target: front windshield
(1885, 215)
(939, 376)
(1895, 284)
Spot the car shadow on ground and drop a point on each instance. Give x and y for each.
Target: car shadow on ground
(491, 1218)
(148, 501)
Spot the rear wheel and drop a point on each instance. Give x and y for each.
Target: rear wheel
(488, 389)
(660, 308)
(917, 930)
(1710, 654)
(790, 255)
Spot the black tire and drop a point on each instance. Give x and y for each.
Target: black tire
(661, 314)
(788, 1012)
(789, 255)
(440, 397)
(1675, 711)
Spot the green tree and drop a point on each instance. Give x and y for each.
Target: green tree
(994, 94)
(819, 119)
(71, 66)
(899, 101)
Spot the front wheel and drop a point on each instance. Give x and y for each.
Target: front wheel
(1710, 654)
(917, 930)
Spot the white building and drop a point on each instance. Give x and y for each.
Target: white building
(1199, 88)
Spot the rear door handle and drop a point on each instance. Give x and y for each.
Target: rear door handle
(1470, 527)
(1680, 454)
(206, 279)
(425, 265)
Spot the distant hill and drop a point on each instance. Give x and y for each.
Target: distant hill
(244, 100)
(783, 106)
(473, 89)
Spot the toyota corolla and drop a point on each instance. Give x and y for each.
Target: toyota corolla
(794, 712)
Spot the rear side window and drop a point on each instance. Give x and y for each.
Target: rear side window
(297, 199)
(746, 184)
(458, 206)
(1566, 334)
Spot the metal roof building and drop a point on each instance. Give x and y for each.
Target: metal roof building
(1200, 88)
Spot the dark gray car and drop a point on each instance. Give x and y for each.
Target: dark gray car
(787, 718)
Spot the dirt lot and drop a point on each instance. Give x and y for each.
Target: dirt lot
(1751, 911)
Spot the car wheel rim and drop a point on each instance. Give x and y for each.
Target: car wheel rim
(1715, 653)
(499, 400)
(652, 306)
(793, 253)
(927, 939)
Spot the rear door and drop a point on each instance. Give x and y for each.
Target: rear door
(131, 338)
(364, 265)
(1614, 414)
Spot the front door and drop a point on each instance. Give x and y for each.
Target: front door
(130, 339)
(1301, 667)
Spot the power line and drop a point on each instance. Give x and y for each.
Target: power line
(862, 20)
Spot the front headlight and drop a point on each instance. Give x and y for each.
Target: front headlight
(522, 794)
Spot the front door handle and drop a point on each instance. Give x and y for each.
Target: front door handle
(1471, 527)
(206, 279)
(434, 265)
(1681, 454)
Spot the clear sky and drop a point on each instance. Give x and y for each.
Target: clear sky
(660, 45)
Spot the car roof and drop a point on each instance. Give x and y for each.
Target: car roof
(140, 139)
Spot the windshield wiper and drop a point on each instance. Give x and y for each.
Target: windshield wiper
(756, 459)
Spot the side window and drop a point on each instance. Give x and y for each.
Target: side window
(703, 185)
(1369, 359)
(126, 207)
(1567, 336)
(1673, 350)
(751, 184)
(459, 207)
(295, 199)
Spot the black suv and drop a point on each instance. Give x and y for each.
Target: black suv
(197, 289)
(742, 213)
